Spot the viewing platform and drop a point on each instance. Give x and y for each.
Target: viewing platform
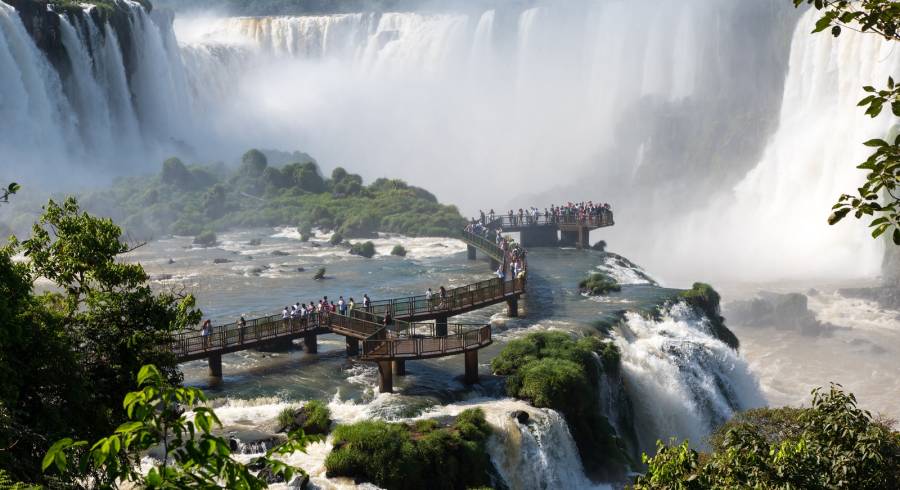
(407, 337)
(552, 231)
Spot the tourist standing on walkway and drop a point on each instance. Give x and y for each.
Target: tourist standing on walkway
(352, 305)
(442, 294)
(367, 303)
(429, 296)
(342, 306)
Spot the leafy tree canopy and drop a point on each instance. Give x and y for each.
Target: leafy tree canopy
(832, 444)
(66, 355)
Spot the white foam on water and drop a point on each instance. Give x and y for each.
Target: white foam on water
(625, 272)
(855, 313)
(682, 381)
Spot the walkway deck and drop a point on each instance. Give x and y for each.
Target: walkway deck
(541, 231)
(405, 338)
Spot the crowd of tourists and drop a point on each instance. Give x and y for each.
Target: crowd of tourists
(580, 212)
(514, 254)
(317, 313)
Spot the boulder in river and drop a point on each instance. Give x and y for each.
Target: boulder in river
(220, 260)
(788, 311)
(521, 415)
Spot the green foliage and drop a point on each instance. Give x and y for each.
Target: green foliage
(312, 418)
(6, 483)
(320, 274)
(552, 370)
(599, 283)
(398, 250)
(706, 300)
(65, 356)
(10, 190)
(832, 444)
(879, 196)
(193, 456)
(260, 195)
(206, 239)
(423, 455)
(253, 163)
(336, 238)
(366, 249)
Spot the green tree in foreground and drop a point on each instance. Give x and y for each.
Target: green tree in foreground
(832, 444)
(67, 356)
(192, 456)
(879, 196)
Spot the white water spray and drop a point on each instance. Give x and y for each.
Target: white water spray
(682, 381)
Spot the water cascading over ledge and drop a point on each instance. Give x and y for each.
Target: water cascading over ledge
(99, 85)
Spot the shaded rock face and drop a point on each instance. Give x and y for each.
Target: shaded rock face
(781, 311)
(42, 25)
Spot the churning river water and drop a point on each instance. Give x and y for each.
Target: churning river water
(679, 381)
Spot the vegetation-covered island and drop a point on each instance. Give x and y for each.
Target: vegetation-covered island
(193, 199)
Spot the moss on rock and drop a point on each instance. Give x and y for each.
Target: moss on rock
(598, 283)
(422, 455)
(706, 300)
(553, 370)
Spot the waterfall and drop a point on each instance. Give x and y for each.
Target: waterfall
(89, 100)
(682, 382)
(657, 107)
(772, 224)
(35, 113)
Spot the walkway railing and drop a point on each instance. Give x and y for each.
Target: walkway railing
(460, 298)
(399, 339)
(460, 338)
(605, 218)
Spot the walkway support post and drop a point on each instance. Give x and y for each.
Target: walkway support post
(400, 367)
(352, 346)
(440, 326)
(309, 343)
(385, 377)
(215, 365)
(470, 252)
(471, 376)
(512, 307)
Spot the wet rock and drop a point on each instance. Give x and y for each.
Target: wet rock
(521, 415)
(300, 481)
(279, 253)
(171, 261)
(255, 242)
(315, 244)
(782, 311)
(300, 269)
(160, 277)
(221, 261)
(269, 476)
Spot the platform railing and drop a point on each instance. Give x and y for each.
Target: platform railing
(383, 346)
(605, 218)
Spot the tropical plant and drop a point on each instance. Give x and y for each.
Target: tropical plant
(192, 456)
(66, 356)
(832, 444)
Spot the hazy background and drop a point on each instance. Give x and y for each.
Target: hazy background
(720, 131)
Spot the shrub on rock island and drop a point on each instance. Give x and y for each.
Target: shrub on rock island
(422, 455)
(336, 239)
(705, 300)
(313, 417)
(205, 239)
(399, 251)
(366, 249)
(599, 283)
(553, 370)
